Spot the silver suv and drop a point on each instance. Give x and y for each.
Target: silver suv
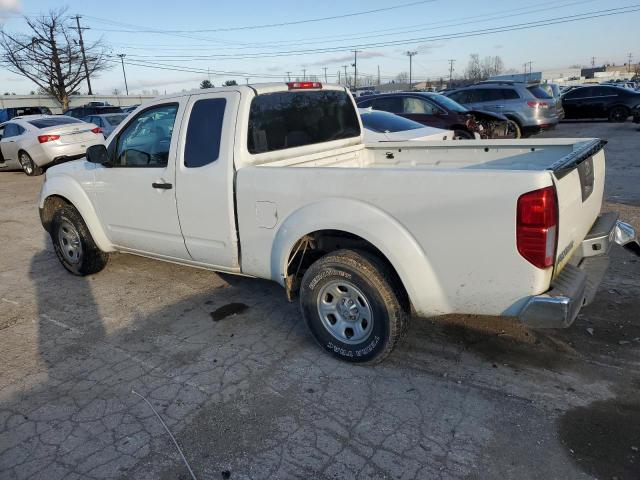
(530, 106)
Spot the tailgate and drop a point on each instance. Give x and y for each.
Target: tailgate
(579, 181)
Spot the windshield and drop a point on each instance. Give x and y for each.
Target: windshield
(384, 122)
(114, 120)
(447, 103)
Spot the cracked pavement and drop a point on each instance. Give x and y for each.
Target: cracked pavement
(250, 396)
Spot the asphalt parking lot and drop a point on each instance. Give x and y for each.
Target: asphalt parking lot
(229, 366)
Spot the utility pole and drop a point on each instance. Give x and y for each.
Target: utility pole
(304, 74)
(630, 57)
(378, 75)
(325, 75)
(289, 75)
(451, 62)
(208, 75)
(593, 62)
(346, 78)
(122, 55)
(410, 55)
(355, 68)
(81, 43)
(339, 79)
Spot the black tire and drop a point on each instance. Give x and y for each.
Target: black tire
(29, 167)
(619, 114)
(68, 223)
(462, 135)
(370, 283)
(514, 128)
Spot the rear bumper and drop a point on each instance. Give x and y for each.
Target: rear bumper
(578, 282)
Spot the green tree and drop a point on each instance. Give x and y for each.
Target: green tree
(206, 84)
(230, 83)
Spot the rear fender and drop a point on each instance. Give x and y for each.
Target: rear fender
(378, 228)
(71, 191)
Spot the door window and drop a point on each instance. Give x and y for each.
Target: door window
(509, 94)
(388, 104)
(418, 106)
(203, 134)
(146, 140)
(460, 97)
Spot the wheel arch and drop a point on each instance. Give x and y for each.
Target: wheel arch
(311, 230)
(57, 191)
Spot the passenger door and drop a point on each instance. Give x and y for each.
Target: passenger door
(422, 111)
(135, 195)
(9, 142)
(205, 179)
(577, 103)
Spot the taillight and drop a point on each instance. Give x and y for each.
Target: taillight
(96, 130)
(537, 226)
(47, 138)
(303, 85)
(533, 104)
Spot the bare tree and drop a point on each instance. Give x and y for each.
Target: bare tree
(402, 77)
(50, 56)
(478, 70)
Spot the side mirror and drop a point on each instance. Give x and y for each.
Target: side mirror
(98, 154)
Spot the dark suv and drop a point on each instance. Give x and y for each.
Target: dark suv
(82, 113)
(600, 101)
(530, 106)
(435, 110)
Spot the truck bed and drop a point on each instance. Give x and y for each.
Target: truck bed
(452, 154)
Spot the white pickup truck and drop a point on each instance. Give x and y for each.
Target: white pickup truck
(274, 181)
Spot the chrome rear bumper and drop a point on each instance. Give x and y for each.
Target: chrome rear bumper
(578, 282)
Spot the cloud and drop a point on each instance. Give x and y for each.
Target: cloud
(348, 58)
(7, 7)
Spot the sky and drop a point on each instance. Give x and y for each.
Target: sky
(262, 41)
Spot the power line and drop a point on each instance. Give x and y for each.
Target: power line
(466, 34)
(293, 22)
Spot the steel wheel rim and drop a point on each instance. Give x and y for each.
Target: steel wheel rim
(26, 163)
(345, 312)
(69, 242)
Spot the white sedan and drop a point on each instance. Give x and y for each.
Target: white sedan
(382, 126)
(33, 142)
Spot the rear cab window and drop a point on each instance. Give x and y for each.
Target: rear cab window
(290, 119)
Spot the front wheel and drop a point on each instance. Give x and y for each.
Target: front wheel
(462, 135)
(353, 306)
(29, 167)
(73, 243)
(513, 130)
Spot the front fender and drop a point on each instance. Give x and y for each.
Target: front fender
(378, 228)
(70, 189)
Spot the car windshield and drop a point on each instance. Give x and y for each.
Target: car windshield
(114, 120)
(448, 103)
(384, 122)
(53, 121)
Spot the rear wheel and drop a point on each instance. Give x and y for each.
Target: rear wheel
(619, 114)
(462, 135)
(353, 306)
(73, 243)
(28, 165)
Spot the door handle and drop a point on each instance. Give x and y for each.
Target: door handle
(162, 186)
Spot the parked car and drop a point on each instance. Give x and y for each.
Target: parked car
(382, 126)
(530, 106)
(636, 114)
(129, 108)
(439, 111)
(364, 234)
(600, 101)
(34, 142)
(84, 112)
(107, 121)
(7, 114)
(554, 90)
